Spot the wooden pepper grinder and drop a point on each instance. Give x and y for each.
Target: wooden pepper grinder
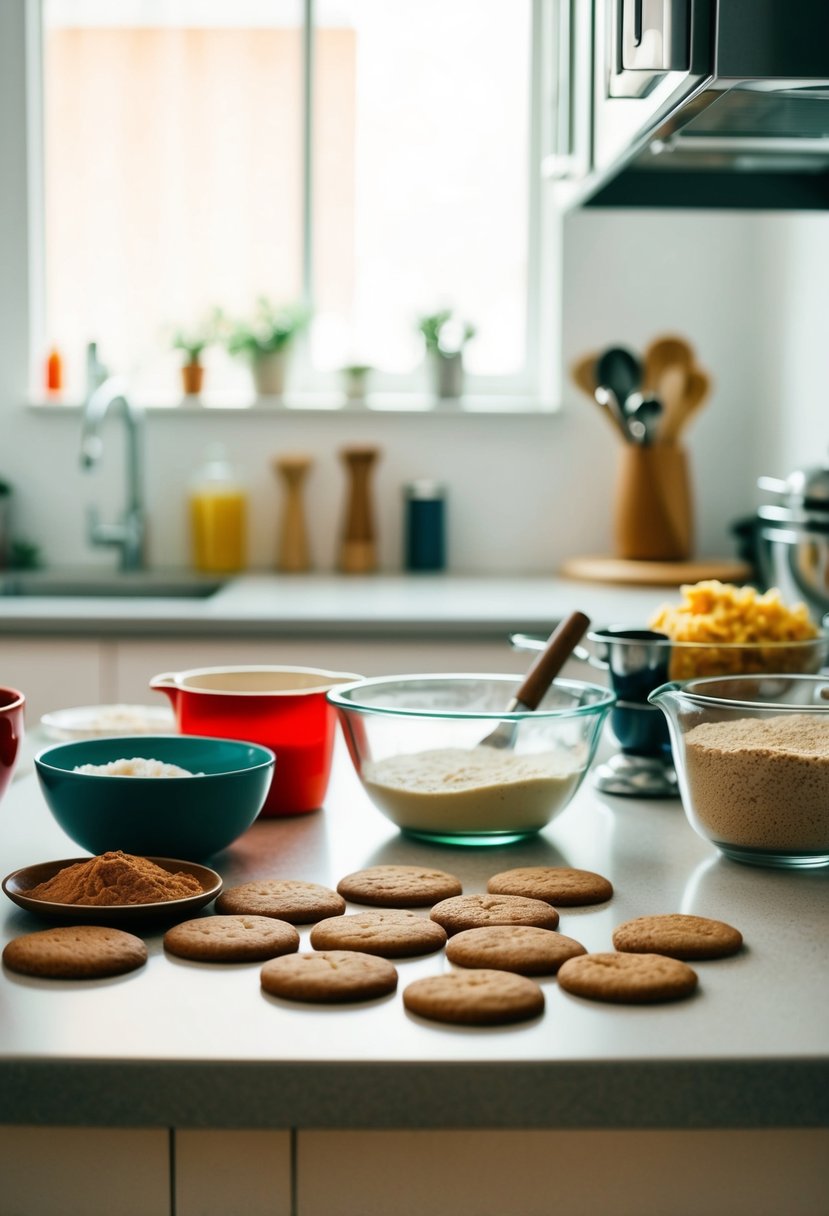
(293, 554)
(358, 553)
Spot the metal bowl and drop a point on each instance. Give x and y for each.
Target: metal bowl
(793, 551)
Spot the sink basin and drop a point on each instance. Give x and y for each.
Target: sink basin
(98, 584)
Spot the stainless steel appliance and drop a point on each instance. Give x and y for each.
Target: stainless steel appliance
(793, 536)
(697, 103)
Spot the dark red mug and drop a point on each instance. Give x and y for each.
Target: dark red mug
(12, 705)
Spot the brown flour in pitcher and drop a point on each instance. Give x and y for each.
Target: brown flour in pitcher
(762, 783)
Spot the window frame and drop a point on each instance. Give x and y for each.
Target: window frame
(536, 388)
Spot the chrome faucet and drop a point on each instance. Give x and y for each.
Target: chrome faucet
(128, 533)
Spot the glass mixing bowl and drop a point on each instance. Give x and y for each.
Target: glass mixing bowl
(418, 743)
(752, 761)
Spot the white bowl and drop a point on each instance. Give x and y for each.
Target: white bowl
(101, 721)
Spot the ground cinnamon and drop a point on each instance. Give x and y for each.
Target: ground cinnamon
(115, 878)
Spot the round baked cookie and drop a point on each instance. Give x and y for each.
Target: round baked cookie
(627, 979)
(555, 884)
(473, 911)
(75, 952)
(390, 932)
(524, 949)
(481, 997)
(399, 886)
(329, 977)
(677, 936)
(290, 899)
(231, 939)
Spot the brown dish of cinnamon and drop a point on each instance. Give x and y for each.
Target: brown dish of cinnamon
(115, 878)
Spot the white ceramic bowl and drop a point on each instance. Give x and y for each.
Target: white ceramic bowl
(101, 721)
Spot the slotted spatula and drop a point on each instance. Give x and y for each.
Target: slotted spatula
(538, 679)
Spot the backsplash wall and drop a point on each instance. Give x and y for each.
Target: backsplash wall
(524, 492)
(749, 290)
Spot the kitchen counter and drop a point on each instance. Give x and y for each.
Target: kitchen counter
(179, 1044)
(374, 606)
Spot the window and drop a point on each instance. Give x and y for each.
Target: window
(373, 160)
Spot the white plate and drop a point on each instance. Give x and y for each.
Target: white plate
(102, 721)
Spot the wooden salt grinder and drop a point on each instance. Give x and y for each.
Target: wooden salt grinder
(293, 554)
(358, 554)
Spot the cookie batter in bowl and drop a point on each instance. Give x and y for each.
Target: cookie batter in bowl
(454, 790)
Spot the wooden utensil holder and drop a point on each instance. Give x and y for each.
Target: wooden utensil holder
(653, 516)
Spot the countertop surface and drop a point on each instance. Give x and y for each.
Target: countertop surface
(186, 1044)
(386, 606)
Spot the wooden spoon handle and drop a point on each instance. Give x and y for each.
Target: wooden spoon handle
(551, 660)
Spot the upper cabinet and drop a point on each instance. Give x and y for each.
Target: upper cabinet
(692, 103)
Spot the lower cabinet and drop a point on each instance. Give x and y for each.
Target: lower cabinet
(78, 1171)
(222, 1173)
(124, 1172)
(546, 1173)
(137, 662)
(55, 673)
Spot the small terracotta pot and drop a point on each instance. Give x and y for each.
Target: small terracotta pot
(192, 379)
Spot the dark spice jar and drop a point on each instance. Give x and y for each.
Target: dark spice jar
(425, 525)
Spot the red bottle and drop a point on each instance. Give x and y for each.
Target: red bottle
(54, 371)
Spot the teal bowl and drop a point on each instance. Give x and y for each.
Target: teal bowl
(184, 817)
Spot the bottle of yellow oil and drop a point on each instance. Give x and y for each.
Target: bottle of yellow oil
(218, 515)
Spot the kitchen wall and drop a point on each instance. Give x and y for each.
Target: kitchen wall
(524, 492)
(796, 272)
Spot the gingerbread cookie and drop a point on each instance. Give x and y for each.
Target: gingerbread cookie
(677, 936)
(391, 933)
(475, 998)
(554, 884)
(524, 949)
(75, 952)
(473, 911)
(299, 903)
(231, 939)
(627, 979)
(399, 886)
(329, 977)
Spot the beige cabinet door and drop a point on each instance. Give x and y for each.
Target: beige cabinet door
(546, 1173)
(136, 662)
(84, 1171)
(54, 673)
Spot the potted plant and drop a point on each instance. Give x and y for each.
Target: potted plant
(193, 343)
(446, 336)
(355, 378)
(266, 340)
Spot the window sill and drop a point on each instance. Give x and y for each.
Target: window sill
(329, 403)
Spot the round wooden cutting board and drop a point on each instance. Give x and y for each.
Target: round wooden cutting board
(654, 574)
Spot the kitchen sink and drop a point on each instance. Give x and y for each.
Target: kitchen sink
(104, 584)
